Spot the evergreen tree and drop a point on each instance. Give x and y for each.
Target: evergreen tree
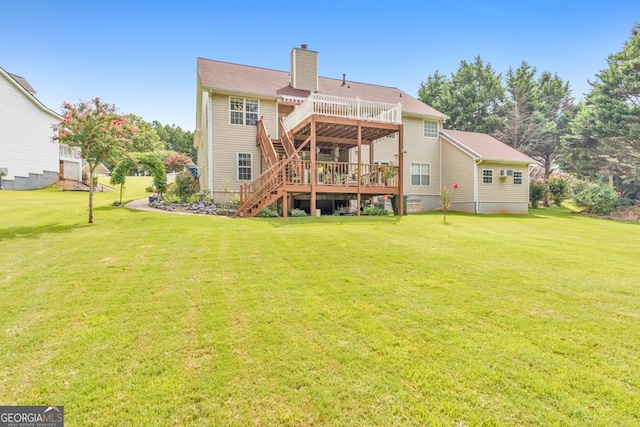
(474, 98)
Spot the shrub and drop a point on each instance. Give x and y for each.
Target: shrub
(598, 199)
(536, 193)
(374, 210)
(184, 186)
(268, 213)
(558, 189)
(576, 187)
(624, 202)
(298, 212)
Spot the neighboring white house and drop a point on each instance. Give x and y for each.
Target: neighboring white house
(250, 121)
(29, 158)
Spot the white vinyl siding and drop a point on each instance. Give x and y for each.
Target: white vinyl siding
(243, 111)
(504, 190)
(420, 174)
(25, 133)
(228, 140)
(430, 129)
(458, 166)
(245, 167)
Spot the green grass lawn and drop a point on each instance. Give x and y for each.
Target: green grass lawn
(146, 318)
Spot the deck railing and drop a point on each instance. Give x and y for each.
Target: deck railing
(351, 108)
(67, 152)
(342, 174)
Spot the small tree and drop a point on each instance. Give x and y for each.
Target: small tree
(100, 132)
(176, 162)
(558, 189)
(119, 174)
(154, 164)
(445, 199)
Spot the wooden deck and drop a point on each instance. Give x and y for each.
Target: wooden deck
(319, 128)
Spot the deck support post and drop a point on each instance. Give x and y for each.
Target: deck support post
(314, 168)
(400, 171)
(359, 166)
(285, 204)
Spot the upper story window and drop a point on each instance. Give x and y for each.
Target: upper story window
(243, 111)
(430, 129)
(487, 176)
(517, 177)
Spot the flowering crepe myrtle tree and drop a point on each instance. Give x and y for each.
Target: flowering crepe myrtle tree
(98, 130)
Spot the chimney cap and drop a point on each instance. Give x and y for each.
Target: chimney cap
(303, 46)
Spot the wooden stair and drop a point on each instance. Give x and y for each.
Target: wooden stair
(268, 187)
(277, 145)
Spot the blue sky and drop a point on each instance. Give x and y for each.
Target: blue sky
(141, 55)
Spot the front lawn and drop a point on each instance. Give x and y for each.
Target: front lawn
(146, 318)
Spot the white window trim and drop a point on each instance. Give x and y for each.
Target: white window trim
(244, 110)
(411, 174)
(424, 122)
(483, 176)
(521, 178)
(238, 166)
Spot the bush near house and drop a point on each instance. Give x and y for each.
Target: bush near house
(536, 193)
(184, 186)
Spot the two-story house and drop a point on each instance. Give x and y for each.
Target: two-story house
(323, 144)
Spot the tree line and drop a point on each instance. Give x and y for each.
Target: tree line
(536, 113)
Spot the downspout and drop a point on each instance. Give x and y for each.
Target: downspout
(440, 141)
(209, 126)
(475, 184)
(277, 118)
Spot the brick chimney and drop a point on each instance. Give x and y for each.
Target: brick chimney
(304, 68)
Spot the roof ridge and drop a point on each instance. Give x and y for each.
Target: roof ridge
(287, 72)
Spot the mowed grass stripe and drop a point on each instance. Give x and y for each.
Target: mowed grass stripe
(147, 318)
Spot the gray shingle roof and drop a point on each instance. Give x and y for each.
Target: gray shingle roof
(23, 82)
(486, 147)
(247, 79)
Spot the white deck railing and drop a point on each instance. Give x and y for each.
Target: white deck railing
(350, 108)
(69, 153)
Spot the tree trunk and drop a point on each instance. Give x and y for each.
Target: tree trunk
(547, 189)
(91, 172)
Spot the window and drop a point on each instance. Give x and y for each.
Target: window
(420, 174)
(430, 129)
(517, 178)
(392, 136)
(244, 166)
(487, 176)
(243, 111)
